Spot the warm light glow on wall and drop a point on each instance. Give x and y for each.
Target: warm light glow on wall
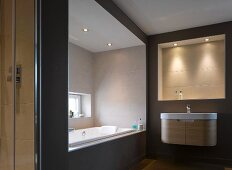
(177, 64)
(208, 58)
(208, 61)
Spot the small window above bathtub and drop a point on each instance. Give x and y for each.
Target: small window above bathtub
(79, 105)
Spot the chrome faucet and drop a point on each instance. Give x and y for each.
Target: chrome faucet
(188, 108)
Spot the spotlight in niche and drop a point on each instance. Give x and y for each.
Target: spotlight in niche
(175, 45)
(207, 39)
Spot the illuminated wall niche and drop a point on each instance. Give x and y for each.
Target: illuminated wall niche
(192, 69)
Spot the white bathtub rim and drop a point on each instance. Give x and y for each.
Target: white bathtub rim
(77, 143)
(108, 139)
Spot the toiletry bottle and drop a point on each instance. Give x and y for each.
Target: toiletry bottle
(140, 125)
(180, 95)
(134, 125)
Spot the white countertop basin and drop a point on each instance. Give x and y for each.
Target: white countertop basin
(189, 116)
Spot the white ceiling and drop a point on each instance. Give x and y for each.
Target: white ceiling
(159, 16)
(103, 28)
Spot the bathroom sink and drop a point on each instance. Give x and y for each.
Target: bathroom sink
(189, 116)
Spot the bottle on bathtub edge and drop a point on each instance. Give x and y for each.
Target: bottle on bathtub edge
(135, 125)
(140, 125)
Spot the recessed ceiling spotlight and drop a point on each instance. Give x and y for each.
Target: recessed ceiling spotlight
(207, 39)
(109, 44)
(175, 44)
(85, 29)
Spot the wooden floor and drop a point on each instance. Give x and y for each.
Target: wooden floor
(150, 164)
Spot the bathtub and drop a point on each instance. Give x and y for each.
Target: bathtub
(83, 136)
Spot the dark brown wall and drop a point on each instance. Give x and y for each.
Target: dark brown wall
(223, 150)
(51, 84)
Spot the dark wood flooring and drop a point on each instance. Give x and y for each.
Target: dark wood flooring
(150, 164)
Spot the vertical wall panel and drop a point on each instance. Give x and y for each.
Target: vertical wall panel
(54, 84)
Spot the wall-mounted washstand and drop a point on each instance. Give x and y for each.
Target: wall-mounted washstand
(189, 128)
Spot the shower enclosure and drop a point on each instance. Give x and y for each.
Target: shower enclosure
(17, 85)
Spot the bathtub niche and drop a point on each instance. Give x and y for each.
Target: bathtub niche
(111, 78)
(101, 134)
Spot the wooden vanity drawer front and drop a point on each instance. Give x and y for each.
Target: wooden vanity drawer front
(173, 131)
(201, 132)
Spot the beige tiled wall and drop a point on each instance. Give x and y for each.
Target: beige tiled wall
(117, 82)
(6, 88)
(120, 86)
(24, 116)
(81, 81)
(196, 70)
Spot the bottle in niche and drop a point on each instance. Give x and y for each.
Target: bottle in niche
(180, 95)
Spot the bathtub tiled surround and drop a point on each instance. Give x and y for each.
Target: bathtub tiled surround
(120, 86)
(81, 81)
(193, 71)
(80, 70)
(116, 81)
